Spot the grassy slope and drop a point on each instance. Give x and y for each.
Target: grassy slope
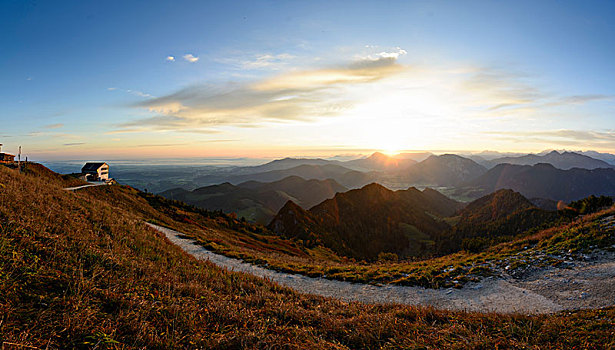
(79, 270)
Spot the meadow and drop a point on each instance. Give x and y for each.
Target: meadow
(82, 270)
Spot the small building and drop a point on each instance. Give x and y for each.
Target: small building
(95, 171)
(6, 158)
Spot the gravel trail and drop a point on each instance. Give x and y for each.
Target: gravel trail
(85, 186)
(490, 295)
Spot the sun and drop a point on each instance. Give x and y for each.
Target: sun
(390, 151)
(391, 145)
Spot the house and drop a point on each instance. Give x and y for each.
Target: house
(6, 158)
(95, 171)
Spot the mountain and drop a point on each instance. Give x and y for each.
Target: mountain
(286, 163)
(544, 203)
(564, 160)
(494, 218)
(443, 170)
(308, 193)
(607, 157)
(379, 162)
(258, 201)
(494, 206)
(546, 181)
(490, 155)
(365, 222)
(306, 171)
(415, 156)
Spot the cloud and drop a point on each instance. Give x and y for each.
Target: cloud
(501, 92)
(74, 144)
(568, 137)
(190, 58)
(132, 92)
(170, 59)
(160, 145)
(578, 100)
(292, 96)
(508, 93)
(54, 126)
(138, 93)
(394, 53)
(266, 61)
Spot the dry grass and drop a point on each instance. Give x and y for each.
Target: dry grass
(79, 272)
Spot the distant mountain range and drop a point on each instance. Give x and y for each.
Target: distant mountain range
(607, 157)
(258, 201)
(546, 181)
(564, 160)
(345, 176)
(458, 176)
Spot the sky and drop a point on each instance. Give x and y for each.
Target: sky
(180, 79)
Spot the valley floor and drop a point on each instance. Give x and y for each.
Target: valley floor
(576, 285)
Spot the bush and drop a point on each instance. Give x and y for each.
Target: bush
(384, 256)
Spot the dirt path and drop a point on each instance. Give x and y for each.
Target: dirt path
(543, 291)
(580, 285)
(85, 186)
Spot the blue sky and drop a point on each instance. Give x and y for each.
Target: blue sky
(85, 79)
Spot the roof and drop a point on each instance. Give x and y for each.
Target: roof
(92, 166)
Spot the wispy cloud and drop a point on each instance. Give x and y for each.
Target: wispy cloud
(190, 58)
(170, 59)
(302, 95)
(565, 137)
(246, 62)
(268, 61)
(578, 99)
(74, 144)
(54, 126)
(131, 92)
